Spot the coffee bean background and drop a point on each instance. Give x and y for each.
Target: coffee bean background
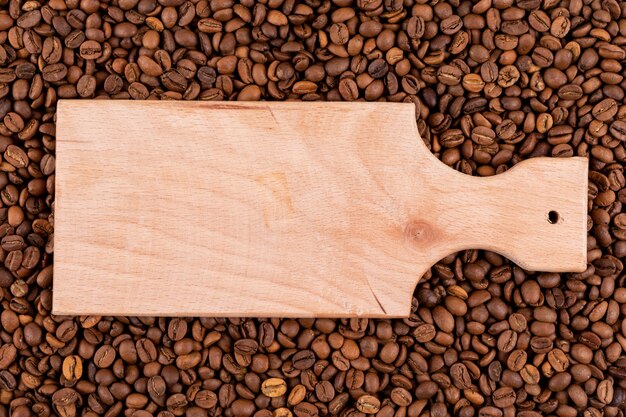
(493, 82)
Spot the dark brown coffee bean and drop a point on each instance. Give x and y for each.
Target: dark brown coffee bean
(449, 75)
(303, 359)
(378, 68)
(113, 84)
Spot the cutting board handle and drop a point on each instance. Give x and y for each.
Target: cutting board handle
(532, 213)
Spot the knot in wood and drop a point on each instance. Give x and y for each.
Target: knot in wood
(419, 232)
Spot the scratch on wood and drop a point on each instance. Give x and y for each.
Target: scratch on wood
(272, 113)
(73, 140)
(217, 105)
(377, 300)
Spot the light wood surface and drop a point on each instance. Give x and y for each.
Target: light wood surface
(283, 209)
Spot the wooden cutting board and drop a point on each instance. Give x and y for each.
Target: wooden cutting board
(283, 209)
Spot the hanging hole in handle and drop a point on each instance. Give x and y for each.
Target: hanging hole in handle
(553, 217)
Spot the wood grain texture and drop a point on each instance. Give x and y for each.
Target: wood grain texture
(282, 209)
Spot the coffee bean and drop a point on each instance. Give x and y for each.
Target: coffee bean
(378, 68)
(530, 374)
(400, 396)
(558, 360)
(560, 381)
(507, 341)
(298, 393)
(149, 66)
(90, 50)
(460, 376)
(282, 412)
(605, 110)
(104, 356)
(368, 404)
(146, 350)
(504, 397)
(517, 360)
(204, 398)
(560, 26)
(8, 354)
(72, 368)
(348, 89)
(325, 391)
(54, 72)
(449, 75)
(274, 387)
(15, 155)
(424, 333)
(303, 359)
(7, 381)
(156, 387)
(539, 20)
(242, 408)
(14, 260)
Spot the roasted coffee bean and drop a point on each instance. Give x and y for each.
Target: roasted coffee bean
(605, 110)
(303, 359)
(558, 360)
(368, 404)
(146, 350)
(204, 398)
(400, 396)
(378, 68)
(86, 86)
(90, 50)
(449, 75)
(156, 387)
(460, 376)
(72, 368)
(504, 397)
(54, 72)
(104, 356)
(274, 387)
(424, 332)
(560, 381)
(13, 154)
(7, 381)
(8, 354)
(298, 393)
